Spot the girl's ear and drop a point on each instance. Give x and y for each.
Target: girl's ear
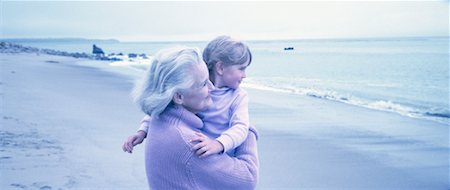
(219, 68)
(177, 98)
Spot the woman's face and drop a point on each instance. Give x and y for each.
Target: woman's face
(197, 98)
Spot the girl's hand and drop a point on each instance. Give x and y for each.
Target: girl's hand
(133, 140)
(206, 146)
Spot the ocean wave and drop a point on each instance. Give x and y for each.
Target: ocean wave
(444, 114)
(137, 64)
(440, 115)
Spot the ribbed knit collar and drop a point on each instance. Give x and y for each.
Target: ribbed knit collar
(220, 91)
(181, 113)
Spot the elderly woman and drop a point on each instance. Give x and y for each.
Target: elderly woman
(175, 88)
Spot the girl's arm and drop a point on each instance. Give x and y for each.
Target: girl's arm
(138, 137)
(239, 124)
(232, 137)
(133, 140)
(145, 123)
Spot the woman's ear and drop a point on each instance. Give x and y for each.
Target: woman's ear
(219, 68)
(177, 98)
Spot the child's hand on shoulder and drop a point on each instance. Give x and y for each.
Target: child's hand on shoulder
(206, 146)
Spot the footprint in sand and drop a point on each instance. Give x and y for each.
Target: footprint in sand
(19, 186)
(52, 61)
(45, 187)
(30, 141)
(71, 182)
(19, 121)
(41, 186)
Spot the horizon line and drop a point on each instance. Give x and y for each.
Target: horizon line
(250, 40)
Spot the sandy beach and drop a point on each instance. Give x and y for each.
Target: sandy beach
(337, 146)
(63, 124)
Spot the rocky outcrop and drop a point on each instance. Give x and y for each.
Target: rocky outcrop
(97, 51)
(6, 47)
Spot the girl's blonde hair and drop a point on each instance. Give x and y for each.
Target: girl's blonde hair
(227, 50)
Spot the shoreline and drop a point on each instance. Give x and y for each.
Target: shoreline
(69, 121)
(426, 109)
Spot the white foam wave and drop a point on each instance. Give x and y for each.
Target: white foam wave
(391, 106)
(132, 66)
(382, 105)
(125, 61)
(261, 87)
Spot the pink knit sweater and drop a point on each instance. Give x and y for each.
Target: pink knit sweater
(171, 164)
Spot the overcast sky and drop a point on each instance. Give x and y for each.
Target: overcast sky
(146, 21)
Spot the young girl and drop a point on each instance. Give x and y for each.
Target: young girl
(227, 120)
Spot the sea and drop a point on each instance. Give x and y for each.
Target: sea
(406, 75)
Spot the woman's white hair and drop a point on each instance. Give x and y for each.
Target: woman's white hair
(171, 71)
(227, 50)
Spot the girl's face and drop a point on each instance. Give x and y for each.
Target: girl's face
(197, 98)
(234, 74)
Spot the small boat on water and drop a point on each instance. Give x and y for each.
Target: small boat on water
(288, 48)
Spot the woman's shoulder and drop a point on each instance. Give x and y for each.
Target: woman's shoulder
(187, 124)
(172, 130)
(186, 133)
(179, 120)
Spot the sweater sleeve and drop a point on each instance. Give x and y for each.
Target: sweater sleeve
(239, 124)
(145, 122)
(221, 170)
